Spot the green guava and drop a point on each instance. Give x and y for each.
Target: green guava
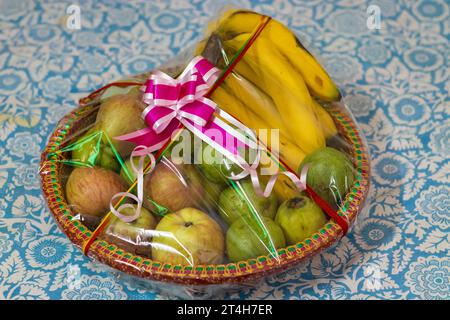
(299, 218)
(92, 150)
(245, 241)
(236, 203)
(330, 174)
(212, 194)
(182, 148)
(213, 165)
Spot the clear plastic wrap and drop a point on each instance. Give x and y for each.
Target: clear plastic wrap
(194, 211)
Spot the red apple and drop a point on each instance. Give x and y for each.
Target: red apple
(173, 186)
(89, 190)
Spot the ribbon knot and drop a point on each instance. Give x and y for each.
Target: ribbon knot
(182, 99)
(171, 102)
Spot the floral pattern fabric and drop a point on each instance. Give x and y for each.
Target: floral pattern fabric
(395, 80)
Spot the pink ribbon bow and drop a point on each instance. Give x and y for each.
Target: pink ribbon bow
(182, 100)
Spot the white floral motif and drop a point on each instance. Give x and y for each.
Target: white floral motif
(167, 21)
(374, 52)
(95, 287)
(343, 68)
(440, 140)
(409, 110)
(27, 176)
(23, 144)
(424, 59)
(18, 283)
(360, 104)
(434, 204)
(392, 169)
(12, 81)
(350, 22)
(5, 244)
(377, 233)
(431, 10)
(26, 205)
(429, 278)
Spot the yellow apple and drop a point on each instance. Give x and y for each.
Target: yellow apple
(135, 236)
(188, 237)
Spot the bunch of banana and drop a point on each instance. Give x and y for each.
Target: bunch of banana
(273, 86)
(270, 71)
(326, 121)
(295, 65)
(237, 22)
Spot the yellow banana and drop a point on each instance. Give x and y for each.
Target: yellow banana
(264, 114)
(290, 153)
(326, 121)
(256, 100)
(236, 22)
(268, 70)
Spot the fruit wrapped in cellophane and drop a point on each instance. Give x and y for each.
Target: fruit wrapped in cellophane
(235, 160)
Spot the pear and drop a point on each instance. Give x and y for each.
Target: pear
(135, 236)
(330, 174)
(212, 194)
(173, 187)
(89, 190)
(234, 204)
(119, 115)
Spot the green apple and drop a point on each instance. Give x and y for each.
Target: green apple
(133, 236)
(234, 204)
(299, 218)
(89, 190)
(330, 174)
(188, 237)
(246, 240)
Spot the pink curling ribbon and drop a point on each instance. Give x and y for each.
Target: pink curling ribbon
(251, 170)
(142, 152)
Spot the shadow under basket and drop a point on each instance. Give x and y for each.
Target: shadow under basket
(52, 173)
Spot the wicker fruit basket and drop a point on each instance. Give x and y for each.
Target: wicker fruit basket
(53, 175)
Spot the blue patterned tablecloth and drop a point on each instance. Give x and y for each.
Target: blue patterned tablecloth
(395, 79)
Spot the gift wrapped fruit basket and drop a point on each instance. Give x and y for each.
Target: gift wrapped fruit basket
(234, 161)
